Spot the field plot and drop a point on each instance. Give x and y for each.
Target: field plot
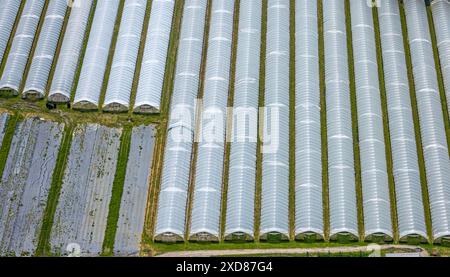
(25, 184)
(135, 191)
(80, 218)
(338, 134)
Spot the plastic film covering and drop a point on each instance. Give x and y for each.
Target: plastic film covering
(177, 157)
(275, 164)
(70, 52)
(205, 218)
(45, 49)
(96, 56)
(411, 219)
(8, 14)
(308, 148)
(375, 186)
(21, 46)
(242, 169)
(441, 18)
(125, 57)
(341, 174)
(432, 127)
(148, 96)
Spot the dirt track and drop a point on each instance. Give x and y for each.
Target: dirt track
(349, 249)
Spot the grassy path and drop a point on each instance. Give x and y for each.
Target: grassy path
(387, 138)
(323, 124)
(43, 248)
(11, 37)
(292, 104)
(440, 77)
(156, 171)
(198, 114)
(359, 200)
(33, 48)
(83, 51)
(7, 139)
(259, 155)
(117, 191)
(412, 89)
(229, 120)
(57, 51)
(110, 59)
(325, 251)
(140, 56)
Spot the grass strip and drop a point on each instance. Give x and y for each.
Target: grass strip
(7, 139)
(76, 78)
(292, 105)
(440, 76)
(159, 248)
(259, 155)
(229, 120)
(112, 50)
(57, 51)
(387, 138)
(197, 119)
(156, 171)
(323, 124)
(351, 66)
(415, 111)
(11, 38)
(117, 191)
(140, 56)
(33, 48)
(43, 248)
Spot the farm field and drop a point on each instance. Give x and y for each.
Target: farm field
(144, 128)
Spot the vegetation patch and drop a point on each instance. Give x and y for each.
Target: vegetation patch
(55, 189)
(351, 66)
(387, 138)
(412, 87)
(7, 139)
(440, 77)
(117, 191)
(229, 123)
(262, 87)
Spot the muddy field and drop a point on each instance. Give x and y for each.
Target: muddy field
(135, 192)
(25, 184)
(82, 210)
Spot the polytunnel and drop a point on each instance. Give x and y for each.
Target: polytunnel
(275, 149)
(171, 213)
(21, 46)
(341, 172)
(374, 177)
(411, 219)
(93, 69)
(69, 55)
(8, 14)
(207, 197)
(308, 147)
(118, 92)
(432, 126)
(44, 54)
(441, 18)
(242, 169)
(151, 79)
